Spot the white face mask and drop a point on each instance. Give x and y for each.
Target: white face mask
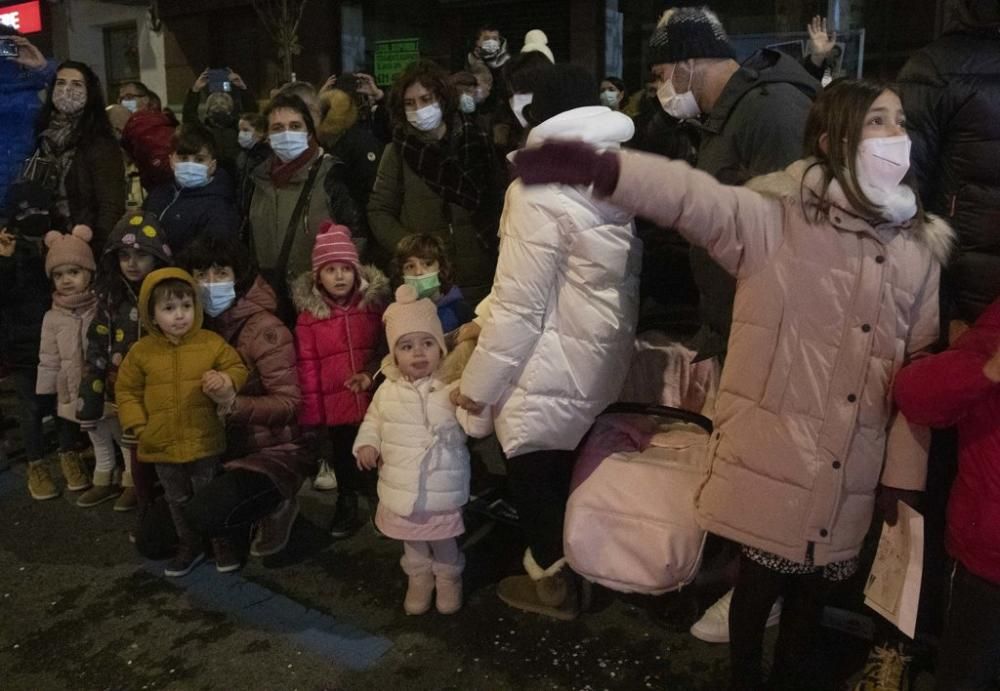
(609, 98)
(247, 139)
(490, 46)
(681, 106)
(425, 119)
(883, 161)
(517, 104)
(467, 103)
(130, 104)
(289, 145)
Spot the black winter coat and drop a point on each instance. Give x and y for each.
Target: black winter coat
(24, 300)
(951, 95)
(186, 213)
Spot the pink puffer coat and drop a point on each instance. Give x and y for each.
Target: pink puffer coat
(826, 312)
(335, 343)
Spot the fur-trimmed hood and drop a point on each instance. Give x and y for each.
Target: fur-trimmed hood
(373, 292)
(801, 182)
(448, 372)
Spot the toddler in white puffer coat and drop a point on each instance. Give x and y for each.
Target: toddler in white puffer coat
(416, 437)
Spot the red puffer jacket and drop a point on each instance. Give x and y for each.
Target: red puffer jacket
(951, 389)
(335, 343)
(147, 139)
(262, 432)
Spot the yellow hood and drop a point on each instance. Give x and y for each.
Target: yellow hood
(146, 293)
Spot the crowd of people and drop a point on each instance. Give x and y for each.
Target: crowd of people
(211, 305)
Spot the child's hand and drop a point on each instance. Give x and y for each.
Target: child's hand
(992, 367)
(8, 243)
(217, 386)
(466, 403)
(367, 458)
(359, 382)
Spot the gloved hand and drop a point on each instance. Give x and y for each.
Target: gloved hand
(886, 498)
(568, 162)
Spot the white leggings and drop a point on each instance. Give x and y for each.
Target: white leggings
(103, 438)
(442, 557)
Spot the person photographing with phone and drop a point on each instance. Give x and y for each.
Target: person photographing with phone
(226, 96)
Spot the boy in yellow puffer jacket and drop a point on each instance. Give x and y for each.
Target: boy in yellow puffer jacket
(167, 391)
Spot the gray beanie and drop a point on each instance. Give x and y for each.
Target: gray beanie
(684, 33)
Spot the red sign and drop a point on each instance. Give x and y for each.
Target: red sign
(26, 17)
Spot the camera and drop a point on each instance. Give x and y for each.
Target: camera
(8, 48)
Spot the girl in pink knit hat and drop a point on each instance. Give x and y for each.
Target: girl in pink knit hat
(417, 439)
(339, 341)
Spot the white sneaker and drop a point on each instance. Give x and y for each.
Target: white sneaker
(713, 627)
(325, 480)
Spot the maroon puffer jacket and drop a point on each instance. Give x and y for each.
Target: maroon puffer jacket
(262, 433)
(147, 139)
(949, 389)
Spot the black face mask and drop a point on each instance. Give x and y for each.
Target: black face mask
(220, 120)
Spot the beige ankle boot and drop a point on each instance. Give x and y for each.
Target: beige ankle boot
(74, 471)
(40, 481)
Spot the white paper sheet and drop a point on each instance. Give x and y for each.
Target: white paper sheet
(893, 587)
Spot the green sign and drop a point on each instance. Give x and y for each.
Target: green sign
(392, 57)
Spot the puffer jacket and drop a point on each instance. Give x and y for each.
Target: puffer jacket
(189, 213)
(25, 299)
(116, 327)
(334, 343)
(951, 389)
(421, 438)
(827, 310)
(18, 111)
(555, 346)
(756, 127)
(159, 385)
(952, 99)
(60, 355)
(452, 309)
(262, 433)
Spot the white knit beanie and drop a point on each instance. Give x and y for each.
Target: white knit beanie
(536, 41)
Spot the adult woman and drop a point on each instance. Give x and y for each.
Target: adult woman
(434, 178)
(295, 190)
(612, 93)
(77, 157)
(266, 462)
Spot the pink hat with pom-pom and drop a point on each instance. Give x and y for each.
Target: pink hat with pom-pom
(409, 315)
(334, 244)
(69, 248)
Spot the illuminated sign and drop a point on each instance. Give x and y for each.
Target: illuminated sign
(26, 17)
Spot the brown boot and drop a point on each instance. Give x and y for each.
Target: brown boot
(74, 471)
(554, 592)
(40, 481)
(190, 547)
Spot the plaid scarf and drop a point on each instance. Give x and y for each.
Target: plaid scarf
(57, 145)
(457, 168)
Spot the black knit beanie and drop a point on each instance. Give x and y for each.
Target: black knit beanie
(684, 33)
(560, 88)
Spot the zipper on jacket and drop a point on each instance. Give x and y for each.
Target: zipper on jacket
(354, 365)
(177, 195)
(951, 206)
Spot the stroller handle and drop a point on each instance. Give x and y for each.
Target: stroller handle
(660, 411)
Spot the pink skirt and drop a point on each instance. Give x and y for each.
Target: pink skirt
(423, 527)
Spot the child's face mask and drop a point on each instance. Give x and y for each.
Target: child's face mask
(70, 279)
(427, 285)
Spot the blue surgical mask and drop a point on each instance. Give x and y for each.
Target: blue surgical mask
(130, 104)
(247, 139)
(467, 103)
(289, 145)
(216, 298)
(425, 285)
(191, 174)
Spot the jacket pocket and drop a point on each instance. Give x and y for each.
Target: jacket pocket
(785, 346)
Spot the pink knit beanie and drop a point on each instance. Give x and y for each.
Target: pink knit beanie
(69, 248)
(334, 244)
(409, 315)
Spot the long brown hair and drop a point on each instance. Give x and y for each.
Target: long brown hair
(839, 113)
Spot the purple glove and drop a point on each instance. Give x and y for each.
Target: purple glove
(568, 162)
(886, 498)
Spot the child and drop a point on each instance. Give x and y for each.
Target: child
(167, 390)
(135, 248)
(837, 272)
(338, 335)
(961, 386)
(69, 263)
(254, 150)
(421, 262)
(415, 436)
(201, 198)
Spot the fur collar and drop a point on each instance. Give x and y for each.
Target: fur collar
(307, 297)
(932, 232)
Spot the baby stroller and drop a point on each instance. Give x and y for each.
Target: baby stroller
(630, 520)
